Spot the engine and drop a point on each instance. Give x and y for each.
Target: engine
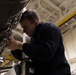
(10, 13)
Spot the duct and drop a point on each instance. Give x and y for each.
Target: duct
(66, 17)
(10, 13)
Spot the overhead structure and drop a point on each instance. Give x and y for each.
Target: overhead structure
(56, 11)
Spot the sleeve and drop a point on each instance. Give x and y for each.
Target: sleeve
(17, 54)
(46, 49)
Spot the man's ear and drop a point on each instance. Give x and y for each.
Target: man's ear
(36, 23)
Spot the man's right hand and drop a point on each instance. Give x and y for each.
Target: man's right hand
(14, 44)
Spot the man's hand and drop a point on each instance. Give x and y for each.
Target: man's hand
(14, 44)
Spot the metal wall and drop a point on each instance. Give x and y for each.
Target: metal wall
(70, 48)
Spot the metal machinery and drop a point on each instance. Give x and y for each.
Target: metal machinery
(10, 13)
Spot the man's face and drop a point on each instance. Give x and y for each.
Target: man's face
(28, 27)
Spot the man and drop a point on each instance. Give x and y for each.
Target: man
(46, 49)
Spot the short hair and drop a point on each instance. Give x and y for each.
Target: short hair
(31, 15)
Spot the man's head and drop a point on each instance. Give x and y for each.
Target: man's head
(29, 20)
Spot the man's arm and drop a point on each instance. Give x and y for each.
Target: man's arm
(17, 54)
